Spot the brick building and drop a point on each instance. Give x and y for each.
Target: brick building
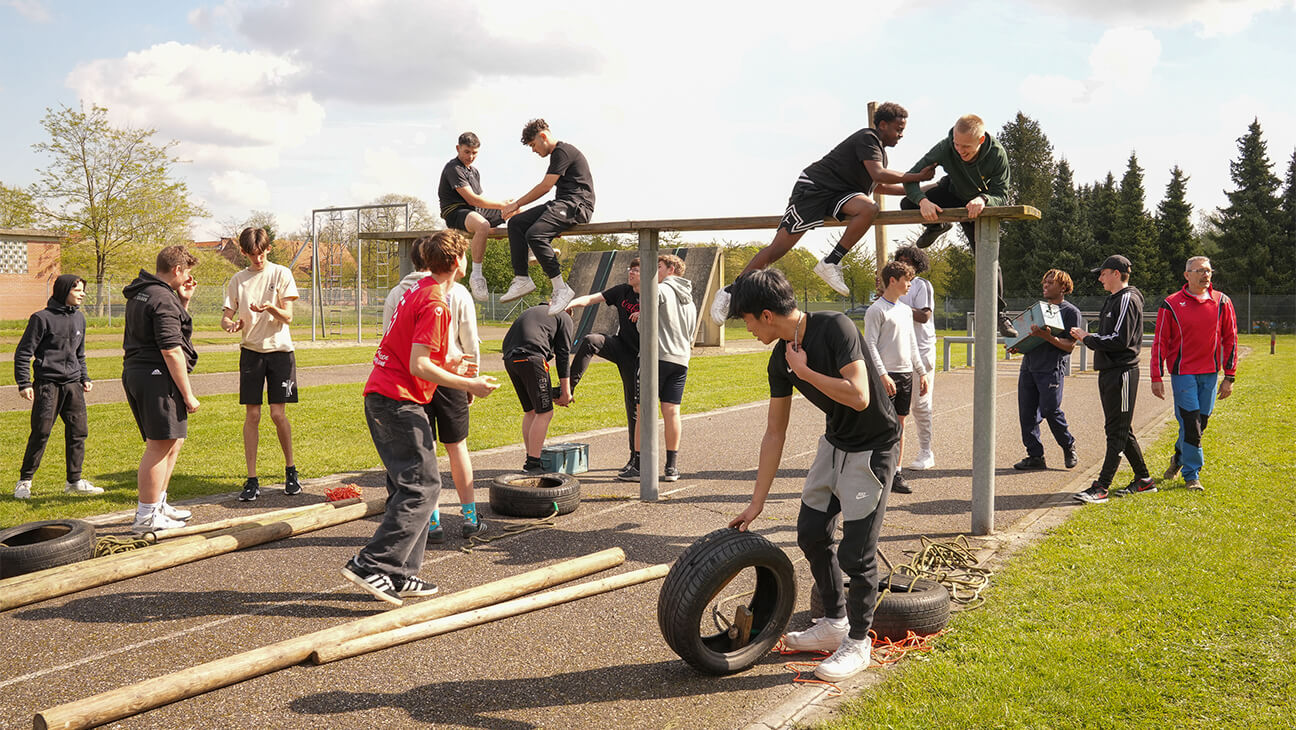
(29, 263)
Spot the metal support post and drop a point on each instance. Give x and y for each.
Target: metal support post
(648, 365)
(984, 378)
(316, 299)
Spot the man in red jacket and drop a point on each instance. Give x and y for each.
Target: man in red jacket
(1196, 336)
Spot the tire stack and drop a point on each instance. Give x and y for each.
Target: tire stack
(531, 495)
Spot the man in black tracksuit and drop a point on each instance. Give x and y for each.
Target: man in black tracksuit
(1116, 353)
(55, 337)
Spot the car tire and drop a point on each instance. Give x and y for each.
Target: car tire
(534, 495)
(45, 544)
(911, 604)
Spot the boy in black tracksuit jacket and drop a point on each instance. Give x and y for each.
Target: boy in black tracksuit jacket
(1116, 349)
(55, 337)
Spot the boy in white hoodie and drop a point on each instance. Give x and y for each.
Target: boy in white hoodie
(677, 319)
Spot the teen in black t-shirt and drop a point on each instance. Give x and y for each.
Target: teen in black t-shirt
(464, 208)
(823, 356)
(839, 186)
(573, 203)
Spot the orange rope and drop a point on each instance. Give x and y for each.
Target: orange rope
(885, 652)
(337, 494)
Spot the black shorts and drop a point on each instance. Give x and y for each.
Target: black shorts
(904, 392)
(458, 218)
(277, 371)
(448, 414)
(530, 376)
(670, 382)
(156, 403)
(810, 204)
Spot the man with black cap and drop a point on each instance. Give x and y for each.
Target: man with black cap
(55, 337)
(1116, 353)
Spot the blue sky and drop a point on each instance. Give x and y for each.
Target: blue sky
(685, 109)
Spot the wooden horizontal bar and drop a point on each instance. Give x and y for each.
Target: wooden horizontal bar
(742, 223)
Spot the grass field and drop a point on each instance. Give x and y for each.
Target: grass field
(1169, 610)
(329, 436)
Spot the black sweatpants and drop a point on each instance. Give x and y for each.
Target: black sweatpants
(615, 349)
(57, 400)
(536, 228)
(1118, 390)
(943, 196)
(855, 555)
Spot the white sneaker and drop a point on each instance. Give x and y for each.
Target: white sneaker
(720, 307)
(562, 296)
(81, 486)
(826, 635)
(924, 460)
(851, 658)
(153, 522)
(22, 490)
(477, 283)
(520, 287)
(832, 274)
(174, 513)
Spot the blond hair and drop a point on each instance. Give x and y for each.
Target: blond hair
(970, 124)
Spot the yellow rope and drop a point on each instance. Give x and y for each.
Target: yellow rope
(112, 545)
(539, 523)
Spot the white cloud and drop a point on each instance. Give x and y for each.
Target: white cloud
(1121, 64)
(385, 170)
(33, 10)
(1212, 17)
(241, 189)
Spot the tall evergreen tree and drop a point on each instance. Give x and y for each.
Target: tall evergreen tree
(1030, 159)
(1134, 235)
(1066, 242)
(1285, 261)
(1174, 226)
(1250, 232)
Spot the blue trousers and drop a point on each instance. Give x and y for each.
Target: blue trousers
(1039, 397)
(1194, 399)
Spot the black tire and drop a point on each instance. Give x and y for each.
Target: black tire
(46, 544)
(918, 605)
(699, 575)
(534, 495)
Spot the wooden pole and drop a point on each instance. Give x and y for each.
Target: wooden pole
(45, 584)
(516, 607)
(262, 518)
(149, 694)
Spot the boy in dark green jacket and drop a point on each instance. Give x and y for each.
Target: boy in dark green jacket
(976, 176)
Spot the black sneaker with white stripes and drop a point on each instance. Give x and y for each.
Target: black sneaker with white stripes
(414, 587)
(379, 585)
(1095, 494)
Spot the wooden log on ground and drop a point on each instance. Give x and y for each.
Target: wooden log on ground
(516, 607)
(262, 518)
(65, 579)
(149, 694)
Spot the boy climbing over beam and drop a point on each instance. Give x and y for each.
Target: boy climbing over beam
(838, 186)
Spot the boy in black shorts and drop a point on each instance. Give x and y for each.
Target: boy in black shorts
(258, 303)
(464, 208)
(822, 355)
(891, 343)
(536, 337)
(620, 347)
(573, 203)
(838, 186)
(676, 325)
(159, 355)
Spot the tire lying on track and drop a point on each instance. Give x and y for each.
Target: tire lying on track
(45, 544)
(534, 495)
(696, 580)
(912, 604)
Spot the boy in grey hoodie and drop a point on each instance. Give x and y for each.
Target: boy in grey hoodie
(55, 338)
(677, 319)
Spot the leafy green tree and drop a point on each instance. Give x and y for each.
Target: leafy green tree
(1174, 225)
(17, 208)
(1134, 234)
(1064, 239)
(1285, 260)
(110, 188)
(859, 270)
(1250, 229)
(1030, 158)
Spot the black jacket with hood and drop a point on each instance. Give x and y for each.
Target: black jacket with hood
(156, 320)
(55, 336)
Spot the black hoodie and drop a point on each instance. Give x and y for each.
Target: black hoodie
(55, 336)
(156, 320)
